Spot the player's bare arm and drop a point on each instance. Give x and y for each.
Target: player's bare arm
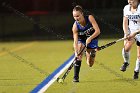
(132, 35)
(125, 25)
(75, 37)
(96, 28)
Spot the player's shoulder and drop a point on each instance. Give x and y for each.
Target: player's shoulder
(139, 7)
(127, 7)
(74, 27)
(90, 17)
(74, 24)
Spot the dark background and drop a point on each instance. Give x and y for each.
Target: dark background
(52, 19)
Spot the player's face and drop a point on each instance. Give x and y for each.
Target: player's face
(132, 2)
(78, 16)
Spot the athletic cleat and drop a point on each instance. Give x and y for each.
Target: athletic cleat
(136, 75)
(124, 66)
(76, 79)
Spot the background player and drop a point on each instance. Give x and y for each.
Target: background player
(131, 24)
(85, 33)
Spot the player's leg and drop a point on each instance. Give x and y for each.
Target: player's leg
(126, 54)
(91, 53)
(77, 64)
(137, 67)
(90, 56)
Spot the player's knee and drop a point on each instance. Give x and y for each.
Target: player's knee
(93, 54)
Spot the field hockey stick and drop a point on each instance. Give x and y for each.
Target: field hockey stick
(114, 42)
(61, 80)
(110, 44)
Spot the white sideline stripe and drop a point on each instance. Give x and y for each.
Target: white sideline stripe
(43, 86)
(55, 78)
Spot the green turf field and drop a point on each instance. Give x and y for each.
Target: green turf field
(23, 65)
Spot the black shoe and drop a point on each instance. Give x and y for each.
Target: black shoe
(136, 75)
(75, 79)
(124, 66)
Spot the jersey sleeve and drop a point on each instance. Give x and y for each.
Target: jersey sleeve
(138, 9)
(125, 11)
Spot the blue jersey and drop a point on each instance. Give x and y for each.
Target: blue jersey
(81, 30)
(82, 36)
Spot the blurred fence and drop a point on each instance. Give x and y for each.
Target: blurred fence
(14, 27)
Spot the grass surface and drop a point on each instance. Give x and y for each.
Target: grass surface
(25, 64)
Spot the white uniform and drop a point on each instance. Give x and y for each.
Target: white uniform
(134, 19)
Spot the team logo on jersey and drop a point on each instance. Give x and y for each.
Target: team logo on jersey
(133, 17)
(135, 22)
